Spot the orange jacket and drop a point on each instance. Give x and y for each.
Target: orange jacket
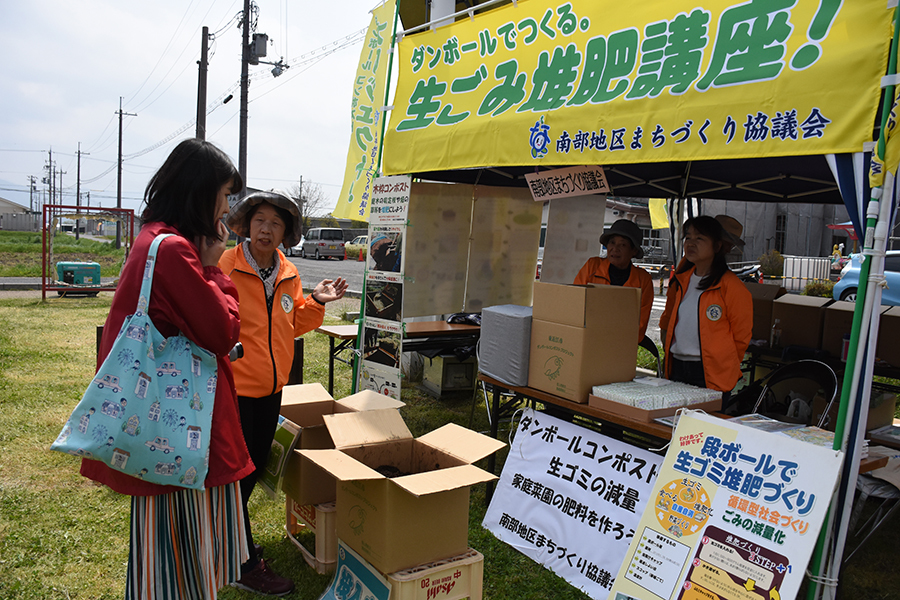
(596, 270)
(268, 339)
(725, 320)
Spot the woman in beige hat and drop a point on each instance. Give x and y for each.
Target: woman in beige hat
(273, 312)
(623, 243)
(708, 319)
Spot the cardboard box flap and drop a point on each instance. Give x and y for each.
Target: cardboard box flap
(368, 427)
(369, 400)
(765, 291)
(462, 443)
(340, 465)
(305, 403)
(442, 480)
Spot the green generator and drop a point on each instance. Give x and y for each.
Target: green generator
(78, 273)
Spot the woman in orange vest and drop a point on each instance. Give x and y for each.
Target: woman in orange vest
(623, 243)
(273, 312)
(706, 326)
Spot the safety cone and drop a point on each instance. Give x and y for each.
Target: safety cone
(361, 255)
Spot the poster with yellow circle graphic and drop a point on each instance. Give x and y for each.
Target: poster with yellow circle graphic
(682, 507)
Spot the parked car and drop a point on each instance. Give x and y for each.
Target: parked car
(294, 250)
(846, 288)
(360, 240)
(322, 242)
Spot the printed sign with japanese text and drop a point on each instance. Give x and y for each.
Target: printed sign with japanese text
(566, 183)
(570, 499)
(734, 513)
(553, 82)
(367, 115)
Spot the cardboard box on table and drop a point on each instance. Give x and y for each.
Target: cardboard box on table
(420, 515)
(837, 321)
(763, 296)
(801, 319)
(887, 348)
(306, 405)
(582, 336)
(881, 410)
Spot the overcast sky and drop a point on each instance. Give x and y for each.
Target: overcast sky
(69, 62)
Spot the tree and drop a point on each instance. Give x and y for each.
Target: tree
(311, 199)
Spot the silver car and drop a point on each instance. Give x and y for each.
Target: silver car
(322, 242)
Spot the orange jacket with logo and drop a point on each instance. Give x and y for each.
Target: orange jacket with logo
(596, 270)
(268, 339)
(725, 320)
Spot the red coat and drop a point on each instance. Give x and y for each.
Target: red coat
(596, 271)
(202, 303)
(268, 339)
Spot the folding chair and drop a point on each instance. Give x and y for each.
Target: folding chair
(814, 371)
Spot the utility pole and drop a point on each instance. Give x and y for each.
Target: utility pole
(245, 90)
(78, 191)
(51, 175)
(31, 189)
(201, 85)
(119, 178)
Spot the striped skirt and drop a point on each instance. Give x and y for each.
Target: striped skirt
(185, 545)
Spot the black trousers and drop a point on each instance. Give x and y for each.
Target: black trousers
(259, 419)
(687, 371)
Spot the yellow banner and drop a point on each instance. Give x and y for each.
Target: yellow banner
(659, 218)
(367, 114)
(589, 82)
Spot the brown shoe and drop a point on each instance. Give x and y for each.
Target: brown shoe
(263, 580)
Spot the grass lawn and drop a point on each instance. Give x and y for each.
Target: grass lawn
(62, 537)
(20, 253)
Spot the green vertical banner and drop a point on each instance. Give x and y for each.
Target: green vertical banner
(367, 115)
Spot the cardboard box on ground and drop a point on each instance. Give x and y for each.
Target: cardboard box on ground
(582, 336)
(304, 407)
(416, 508)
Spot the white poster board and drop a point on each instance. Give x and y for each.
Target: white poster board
(570, 499)
(574, 227)
(734, 513)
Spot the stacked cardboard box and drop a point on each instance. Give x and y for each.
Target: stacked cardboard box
(582, 336)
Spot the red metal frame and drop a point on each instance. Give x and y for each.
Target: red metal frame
(53, 212)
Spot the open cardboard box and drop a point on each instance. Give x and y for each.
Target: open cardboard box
(419, 515)
(306, 406)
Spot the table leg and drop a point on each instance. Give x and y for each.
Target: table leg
(331, 366)
(495, 426)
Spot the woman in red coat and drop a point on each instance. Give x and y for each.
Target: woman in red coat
(186, 543)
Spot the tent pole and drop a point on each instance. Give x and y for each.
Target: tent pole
(854, 357)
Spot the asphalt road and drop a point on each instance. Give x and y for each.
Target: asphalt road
(313, 271)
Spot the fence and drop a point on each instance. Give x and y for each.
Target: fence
(800, 270)
(20, 221)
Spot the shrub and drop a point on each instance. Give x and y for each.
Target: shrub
(822, 288)
(772, 264)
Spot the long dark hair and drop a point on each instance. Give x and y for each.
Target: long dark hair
(184, 190)
(712, 229)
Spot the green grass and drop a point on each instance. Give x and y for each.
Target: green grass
(62, 537)
(20, 253)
